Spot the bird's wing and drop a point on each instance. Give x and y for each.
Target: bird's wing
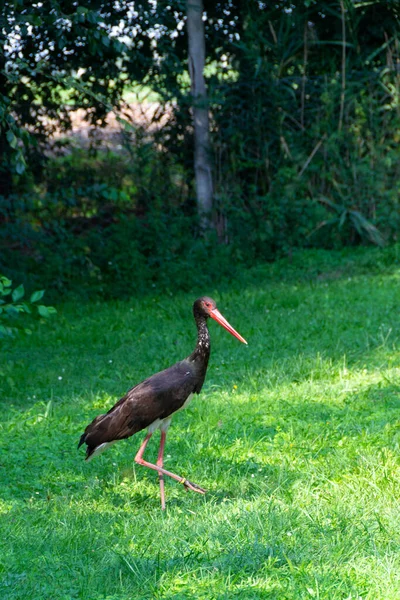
(155, 398)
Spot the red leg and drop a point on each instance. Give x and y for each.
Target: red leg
(140, 460)
(143, 447)
(160, 463)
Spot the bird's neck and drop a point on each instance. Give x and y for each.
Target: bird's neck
(201, 353)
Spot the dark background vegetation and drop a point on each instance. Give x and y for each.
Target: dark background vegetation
(304, 100)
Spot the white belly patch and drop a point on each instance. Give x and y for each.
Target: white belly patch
(154, 425)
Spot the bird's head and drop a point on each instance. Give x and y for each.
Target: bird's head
(206, 307)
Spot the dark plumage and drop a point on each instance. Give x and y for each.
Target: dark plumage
(151, 404)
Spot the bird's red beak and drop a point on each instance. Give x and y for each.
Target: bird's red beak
(216, 315)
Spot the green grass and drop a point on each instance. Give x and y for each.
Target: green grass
(296, 437)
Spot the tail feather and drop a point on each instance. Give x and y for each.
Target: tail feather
(87, 434)
(93, 437)
(106, 429)
(92, 450)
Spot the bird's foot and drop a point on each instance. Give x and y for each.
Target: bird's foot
(192, 486)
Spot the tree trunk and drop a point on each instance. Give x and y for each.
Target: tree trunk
(202, 162)
(5, 170)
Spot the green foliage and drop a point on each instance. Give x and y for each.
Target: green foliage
(300, 144)
(295, 438)
(304, 100)
(53, 56)
(17, 138)
(120, 224)
(304, 103)
(113, 225)
(13, 307)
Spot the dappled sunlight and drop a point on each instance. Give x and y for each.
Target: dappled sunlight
(295, 437)
(263, 179)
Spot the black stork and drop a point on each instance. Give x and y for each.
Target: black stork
(152, 403)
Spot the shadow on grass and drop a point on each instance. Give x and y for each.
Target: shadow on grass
(73, 522)
(96, 530)
(246, 449)
(95, 557)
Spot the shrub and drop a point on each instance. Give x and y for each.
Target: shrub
(13, 307)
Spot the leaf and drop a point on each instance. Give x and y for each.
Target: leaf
(24, 307)
(35, 20)
(20, 163)
(6, 331)
(46, 311)
(365, 227)
(12, 139)
(18, 293)
(20, 167)
(38, 295)
(43, 311)
(342, 218)
(5, 281)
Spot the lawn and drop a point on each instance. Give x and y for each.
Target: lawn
(296, 438)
